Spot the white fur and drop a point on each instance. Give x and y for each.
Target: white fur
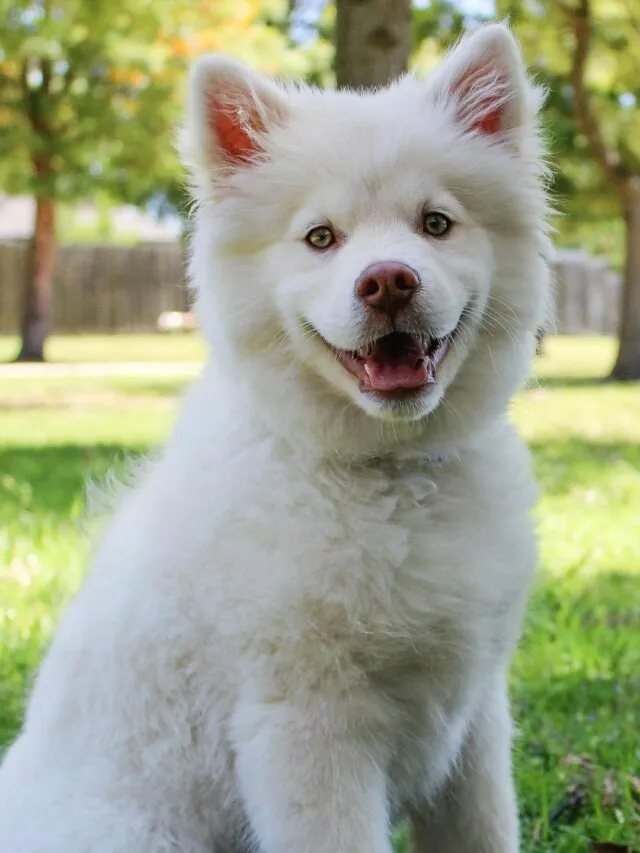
(299, 623)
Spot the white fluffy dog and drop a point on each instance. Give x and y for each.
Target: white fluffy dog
(298, 627)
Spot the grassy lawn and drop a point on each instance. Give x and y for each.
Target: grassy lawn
(576, 678)
(114, 348)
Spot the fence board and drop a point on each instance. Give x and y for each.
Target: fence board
(100, 288)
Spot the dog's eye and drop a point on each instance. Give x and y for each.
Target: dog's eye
(436, 224)
(321, 237)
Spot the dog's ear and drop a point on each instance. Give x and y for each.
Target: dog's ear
(485, 82)
(231, 110)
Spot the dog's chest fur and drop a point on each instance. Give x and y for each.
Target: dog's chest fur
(397, 585)
(387, 593)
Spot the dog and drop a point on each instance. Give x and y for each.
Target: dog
(298, 626)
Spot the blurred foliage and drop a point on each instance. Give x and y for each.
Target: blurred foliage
(97, 86)
(93, 89)
(84, 89)
(584, 195)
(588, 207)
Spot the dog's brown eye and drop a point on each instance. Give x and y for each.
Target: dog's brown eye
(436, 224)
(321, 237)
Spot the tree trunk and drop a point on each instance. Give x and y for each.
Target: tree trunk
(38, 305)
(627, 366)
(373, 41)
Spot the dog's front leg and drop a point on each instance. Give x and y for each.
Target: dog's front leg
(477, 812)
(309, 782)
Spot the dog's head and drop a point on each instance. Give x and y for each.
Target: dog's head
(371, 266)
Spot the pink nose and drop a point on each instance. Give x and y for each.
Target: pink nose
(387, 286)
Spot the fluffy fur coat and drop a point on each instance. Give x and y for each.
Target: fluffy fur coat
(298, 626)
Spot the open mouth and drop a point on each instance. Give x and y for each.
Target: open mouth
(396, 364)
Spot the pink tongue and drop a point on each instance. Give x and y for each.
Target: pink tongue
(390, 376)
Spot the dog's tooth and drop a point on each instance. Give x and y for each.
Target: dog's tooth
(367, 369)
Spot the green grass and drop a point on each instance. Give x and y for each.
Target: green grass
(170, 348)
(576, 676)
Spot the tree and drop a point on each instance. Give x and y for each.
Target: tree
(81, 110)
(589, 49)
(373, 41)
(90, 94)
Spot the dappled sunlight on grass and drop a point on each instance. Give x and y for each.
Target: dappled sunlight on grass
(574, 357)
(132, 426)
(42, 553)
(576, 677)
(170, 348)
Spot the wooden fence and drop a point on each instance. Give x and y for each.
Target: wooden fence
(100, 288)
(586, 295)
(126, 288)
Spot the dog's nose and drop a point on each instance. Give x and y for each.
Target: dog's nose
(387, 286)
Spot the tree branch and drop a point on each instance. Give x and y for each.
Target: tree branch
(45, 68)
(580, 21)
(565, 8)
(629, 157)
(24, 85)
(32, 101)
(69, 78)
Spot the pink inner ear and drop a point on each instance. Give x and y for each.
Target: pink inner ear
(481, 92)
(490, 121)
(233, 134)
